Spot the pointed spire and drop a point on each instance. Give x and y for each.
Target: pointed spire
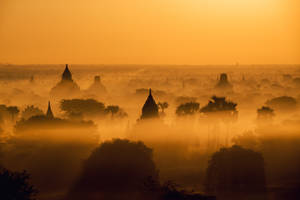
(150, 108)
(49, 113)
(67, 76)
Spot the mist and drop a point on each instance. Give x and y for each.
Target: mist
(62, 124)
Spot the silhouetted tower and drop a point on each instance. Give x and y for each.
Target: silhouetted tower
(49, 113)
(67, 76)
(223, 82)
(150, 108)
(223, 77)
(97, 88)
(97, 79)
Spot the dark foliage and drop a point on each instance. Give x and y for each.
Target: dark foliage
(162, 106)
(115, 111)
(283, 103)
(184, 99)
(8, 112)
(265, 113)
(15, 186)
(235, 169)
(171, 191)
(31, 111)
(187, 109)
(43, 122)
(87, 107)
(220, 108)
(116, 168)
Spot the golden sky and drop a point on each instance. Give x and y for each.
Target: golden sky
(150, 31)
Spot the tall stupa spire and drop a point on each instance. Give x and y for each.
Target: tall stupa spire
(67, 76)
(49, 113)
(150, 108)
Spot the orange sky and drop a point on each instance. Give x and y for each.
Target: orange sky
(150, 31)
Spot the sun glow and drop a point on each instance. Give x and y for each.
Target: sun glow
(151, 32)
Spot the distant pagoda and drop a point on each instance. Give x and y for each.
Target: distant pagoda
(49, 113)
(66, 76)
(150, 108)
(97, 88)
(223, 83)
(66, 87)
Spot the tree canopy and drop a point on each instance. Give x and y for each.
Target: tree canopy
(187, 109)
(115, 167)
(89, 107)
(235, 169)
(16, 186)
(31, 111)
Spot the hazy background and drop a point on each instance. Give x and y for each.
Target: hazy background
(150, 32)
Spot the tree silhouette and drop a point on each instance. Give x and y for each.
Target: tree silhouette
(115, 168)
(31, 111)
(283, 103)
(184, 99)
(235, 169)
(13, 111)
(16, 186)
(9, 112)
(220, 108)
(86, 107)
(265, 114)
(163, 106)
(115, 111)
(187, 109)
(169, 190)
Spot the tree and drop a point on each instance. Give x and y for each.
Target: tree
(163, 106)
(283, 103)
(86, 107)
(265, 114)
(187, 109)
(184, 99)
(169, 190)
(115, 111)
(16, 186)
(13, 111)
(220, 108)
(115, 168)
(235, 169)
(31, 111)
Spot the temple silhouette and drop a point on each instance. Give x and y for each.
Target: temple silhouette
(49, 123)
(150, 108)
(49, 113)
(97, 88)
(67, 87)
(223, 83)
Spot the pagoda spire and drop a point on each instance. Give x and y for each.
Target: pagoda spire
(49, 113)
(150, 108)
(67, 76)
